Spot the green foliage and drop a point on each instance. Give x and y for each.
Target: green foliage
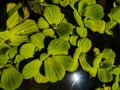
(31, 69)
(11, 78)
(55, 37)
(27, 52)
(64, 2)
(94, 11)
(82, 31)
(115, 14)
(104, 75)
(37, 40)
(95, 25)
(58, 46)
(53, 15)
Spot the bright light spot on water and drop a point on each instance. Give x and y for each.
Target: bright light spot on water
(75, 77)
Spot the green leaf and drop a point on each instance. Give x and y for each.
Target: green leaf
(76, 57)
(18, 58)
(4, 48)
(95, 25)
(64, 29)
(109, 32)
(14, 8)
(4, 35)
(115, 14)
(81, 6)
(44, 56)
(3, 60)
(25, 28)
(73, 40)
(53, 70)
(84, 45)
(42, 23)
(11, 78)
(53, 15)
(108, 54)
(65, 61)
(39, 78)
(78, 18)
(16, 40)
(56, 1)
(27, 50)
(116, 70)
(25, 12)
(94, 11)
(110, 25)
(20, 33)
(64, 2)
(14, 17)
(86, 66)
(89, 2)
(81, 31)
(116, 85)
(12, 52)
(37, 40)
(31, 69)
(107, 64)
(97, 61)
(49, 32)
(96, 51)
(104, 75)
(58, 46)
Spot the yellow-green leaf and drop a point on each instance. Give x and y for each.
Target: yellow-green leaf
(39, 78)
(65, 61)
(53, 15)
(73, 40)
(64, 29)
(27, 50)
(78, 18)
(31, 69)
(115, 14)
(84, 45)
(37, 40)
(42, 23)
(11, 78)
(86, 66)
(58, 46)
(94, 11)
(81, 31)
(64, 2)
(95, 25)
(53, 70)
(14, 17)
(104, 75)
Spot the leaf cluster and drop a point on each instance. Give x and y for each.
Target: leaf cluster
(44, 49)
